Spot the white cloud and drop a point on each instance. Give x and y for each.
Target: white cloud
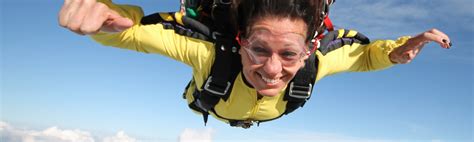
(193, 135)
(55, 134)
(120, 137)
(10, 133)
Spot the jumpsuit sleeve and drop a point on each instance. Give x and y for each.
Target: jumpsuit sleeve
(156, 39)
(347, 53)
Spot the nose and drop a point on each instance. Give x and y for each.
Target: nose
(272, 67)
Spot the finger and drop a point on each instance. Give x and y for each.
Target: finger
(67, 2)
(416, 51)
(116, 23)
(406, 58)
(74, 6)
(77, 32)
(445, 37)
(77, 18)
(438, 32)
(428, 37)
(63, 13)
(121, 24)
(95, 18)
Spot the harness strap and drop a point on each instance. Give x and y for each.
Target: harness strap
(337, 39)
(227, 61)
(300, 88)
(221, 16)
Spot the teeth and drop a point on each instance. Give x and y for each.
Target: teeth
(271, 81)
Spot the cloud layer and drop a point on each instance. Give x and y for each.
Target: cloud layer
(193, 135)
(10, 133)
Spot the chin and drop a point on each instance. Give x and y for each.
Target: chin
(272, 91)
(269, 92)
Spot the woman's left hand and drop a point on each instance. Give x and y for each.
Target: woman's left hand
(408, 51)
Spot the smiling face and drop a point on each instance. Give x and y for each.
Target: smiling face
(272, 70)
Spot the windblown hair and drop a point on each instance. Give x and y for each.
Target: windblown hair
(249, 11)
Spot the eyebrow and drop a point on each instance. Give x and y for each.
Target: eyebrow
(266, 29)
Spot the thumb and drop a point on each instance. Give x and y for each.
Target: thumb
(116, 23)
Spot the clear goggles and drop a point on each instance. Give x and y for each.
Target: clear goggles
(262, 45)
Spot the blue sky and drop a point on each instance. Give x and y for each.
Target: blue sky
(55, 83)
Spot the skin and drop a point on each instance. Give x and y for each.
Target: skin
(273, 68)
(408, 51)
(88, 17)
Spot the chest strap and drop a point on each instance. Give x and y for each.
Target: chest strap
(297, 93)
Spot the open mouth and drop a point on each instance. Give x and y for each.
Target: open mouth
(269, 81)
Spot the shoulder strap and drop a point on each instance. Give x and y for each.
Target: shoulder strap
(337, 39)
(188, 26)
(227, 63)
(300, 88)
(219, 84)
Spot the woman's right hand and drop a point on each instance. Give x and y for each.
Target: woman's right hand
(87, 17)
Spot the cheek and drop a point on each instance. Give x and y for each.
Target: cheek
(291, 71)
(247, 68)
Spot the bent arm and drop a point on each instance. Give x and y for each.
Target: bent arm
(156, 38)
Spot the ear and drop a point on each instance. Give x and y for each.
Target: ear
(308, 53)
(303, 60)
(306, 56)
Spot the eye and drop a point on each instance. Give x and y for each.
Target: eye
(289, 55)
(260, 51)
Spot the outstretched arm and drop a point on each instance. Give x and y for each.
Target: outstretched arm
(353, 56)
(408, 51)
(350, 51)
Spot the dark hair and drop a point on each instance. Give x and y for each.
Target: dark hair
(249, 11)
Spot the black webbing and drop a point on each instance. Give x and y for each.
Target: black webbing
(303, 79)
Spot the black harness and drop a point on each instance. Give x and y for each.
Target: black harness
(227, 65)
(225, 70)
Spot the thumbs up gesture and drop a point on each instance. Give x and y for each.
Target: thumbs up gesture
(87, 17)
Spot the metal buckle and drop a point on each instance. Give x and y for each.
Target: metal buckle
(206, 87)
(243, 123)
(299, 93)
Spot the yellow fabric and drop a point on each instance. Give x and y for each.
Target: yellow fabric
(179, 16)
(242, 103)
(166, 17)
(339, 33)
(351, 33)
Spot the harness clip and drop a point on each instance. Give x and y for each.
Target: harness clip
(208, 87)
(300, 92)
